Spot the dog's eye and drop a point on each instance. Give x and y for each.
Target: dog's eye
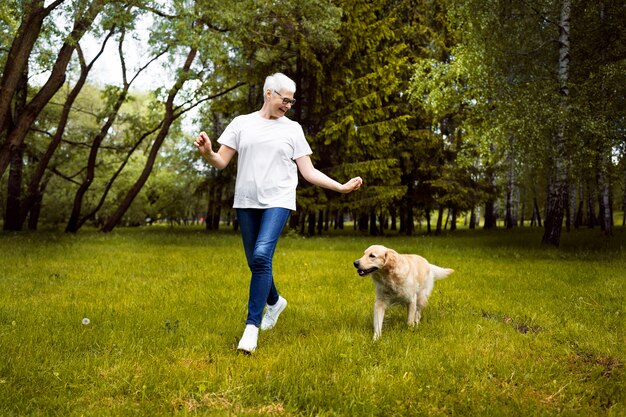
(372, 255)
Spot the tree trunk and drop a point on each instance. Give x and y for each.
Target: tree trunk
(602, 209)
(14, 185)
(409, 222)
(339, 220)
(439, 220)
(536, 217)
(508, 216)
(571, 206)
(591, 204)
(33, 191)
(17, 58)
(14, 188)
(490, 177)
(74, 222)
(327, 218)
(217, 213)
(580, 206)
(490, 215)
(568, 205)
(311, 229)
(558, 181)
(472, 221)
(624, 199)
(302, 224)
(605, 148)
(320, 222)
(169, 118)
(372, 223)
(35, 210)
(363, 221)
(453, 216)
(212, 219)
(294, 220)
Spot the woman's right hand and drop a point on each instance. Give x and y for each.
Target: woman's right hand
(203, 143)
(219, 159)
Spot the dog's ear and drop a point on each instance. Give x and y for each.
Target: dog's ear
(390, 259)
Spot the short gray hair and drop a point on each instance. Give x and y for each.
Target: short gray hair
(279, 82)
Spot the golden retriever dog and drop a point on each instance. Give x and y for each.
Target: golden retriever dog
(399, 279)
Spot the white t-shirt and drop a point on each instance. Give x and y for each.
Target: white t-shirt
(267, 175)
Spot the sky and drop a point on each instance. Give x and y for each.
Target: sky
(108, 70)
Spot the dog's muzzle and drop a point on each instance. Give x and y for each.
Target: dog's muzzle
(363, 272)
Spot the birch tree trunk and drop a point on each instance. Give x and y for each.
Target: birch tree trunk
(558, 180)
(490, 178)
(509, 218)
(624, 200)
(591, 204)
(605, 146)
(580, 207)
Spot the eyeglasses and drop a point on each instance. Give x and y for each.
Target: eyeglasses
(286, 100)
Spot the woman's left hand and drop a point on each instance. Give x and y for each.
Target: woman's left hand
(352, 185)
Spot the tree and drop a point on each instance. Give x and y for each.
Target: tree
(34, 194)
(116, 98)
(202, 32)
(15, 129)
(486, 120)
(558, 179)
(517, 90)
(359, 107)
(15, 64)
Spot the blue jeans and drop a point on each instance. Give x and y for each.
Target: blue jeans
(260, 230)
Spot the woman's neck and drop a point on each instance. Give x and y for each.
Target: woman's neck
(266, 113)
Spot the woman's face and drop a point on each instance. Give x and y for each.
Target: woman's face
(279, 102)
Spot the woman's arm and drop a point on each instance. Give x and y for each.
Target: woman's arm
(315, 177)
(219, 159)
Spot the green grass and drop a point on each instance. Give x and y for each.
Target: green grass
(517, 330)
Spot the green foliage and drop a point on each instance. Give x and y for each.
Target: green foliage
(430, 102)
(356, 114)
(499, 84)
(516, 330)
(9, 22)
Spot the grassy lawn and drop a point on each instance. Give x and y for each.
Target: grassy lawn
(146, 322)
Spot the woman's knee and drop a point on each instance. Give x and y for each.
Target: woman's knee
(261, 260)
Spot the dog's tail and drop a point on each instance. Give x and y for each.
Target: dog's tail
(439, 272)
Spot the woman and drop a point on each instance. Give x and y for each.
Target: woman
(272, 149)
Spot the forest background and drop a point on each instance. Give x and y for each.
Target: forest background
(509, 111)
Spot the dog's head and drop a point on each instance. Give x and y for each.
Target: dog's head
(374, 258)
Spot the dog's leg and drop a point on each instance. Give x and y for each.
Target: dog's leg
(412, 312)
(422, 300)
(379, 315)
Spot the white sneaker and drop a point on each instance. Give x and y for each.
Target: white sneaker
(249, 339)
(272, 312)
